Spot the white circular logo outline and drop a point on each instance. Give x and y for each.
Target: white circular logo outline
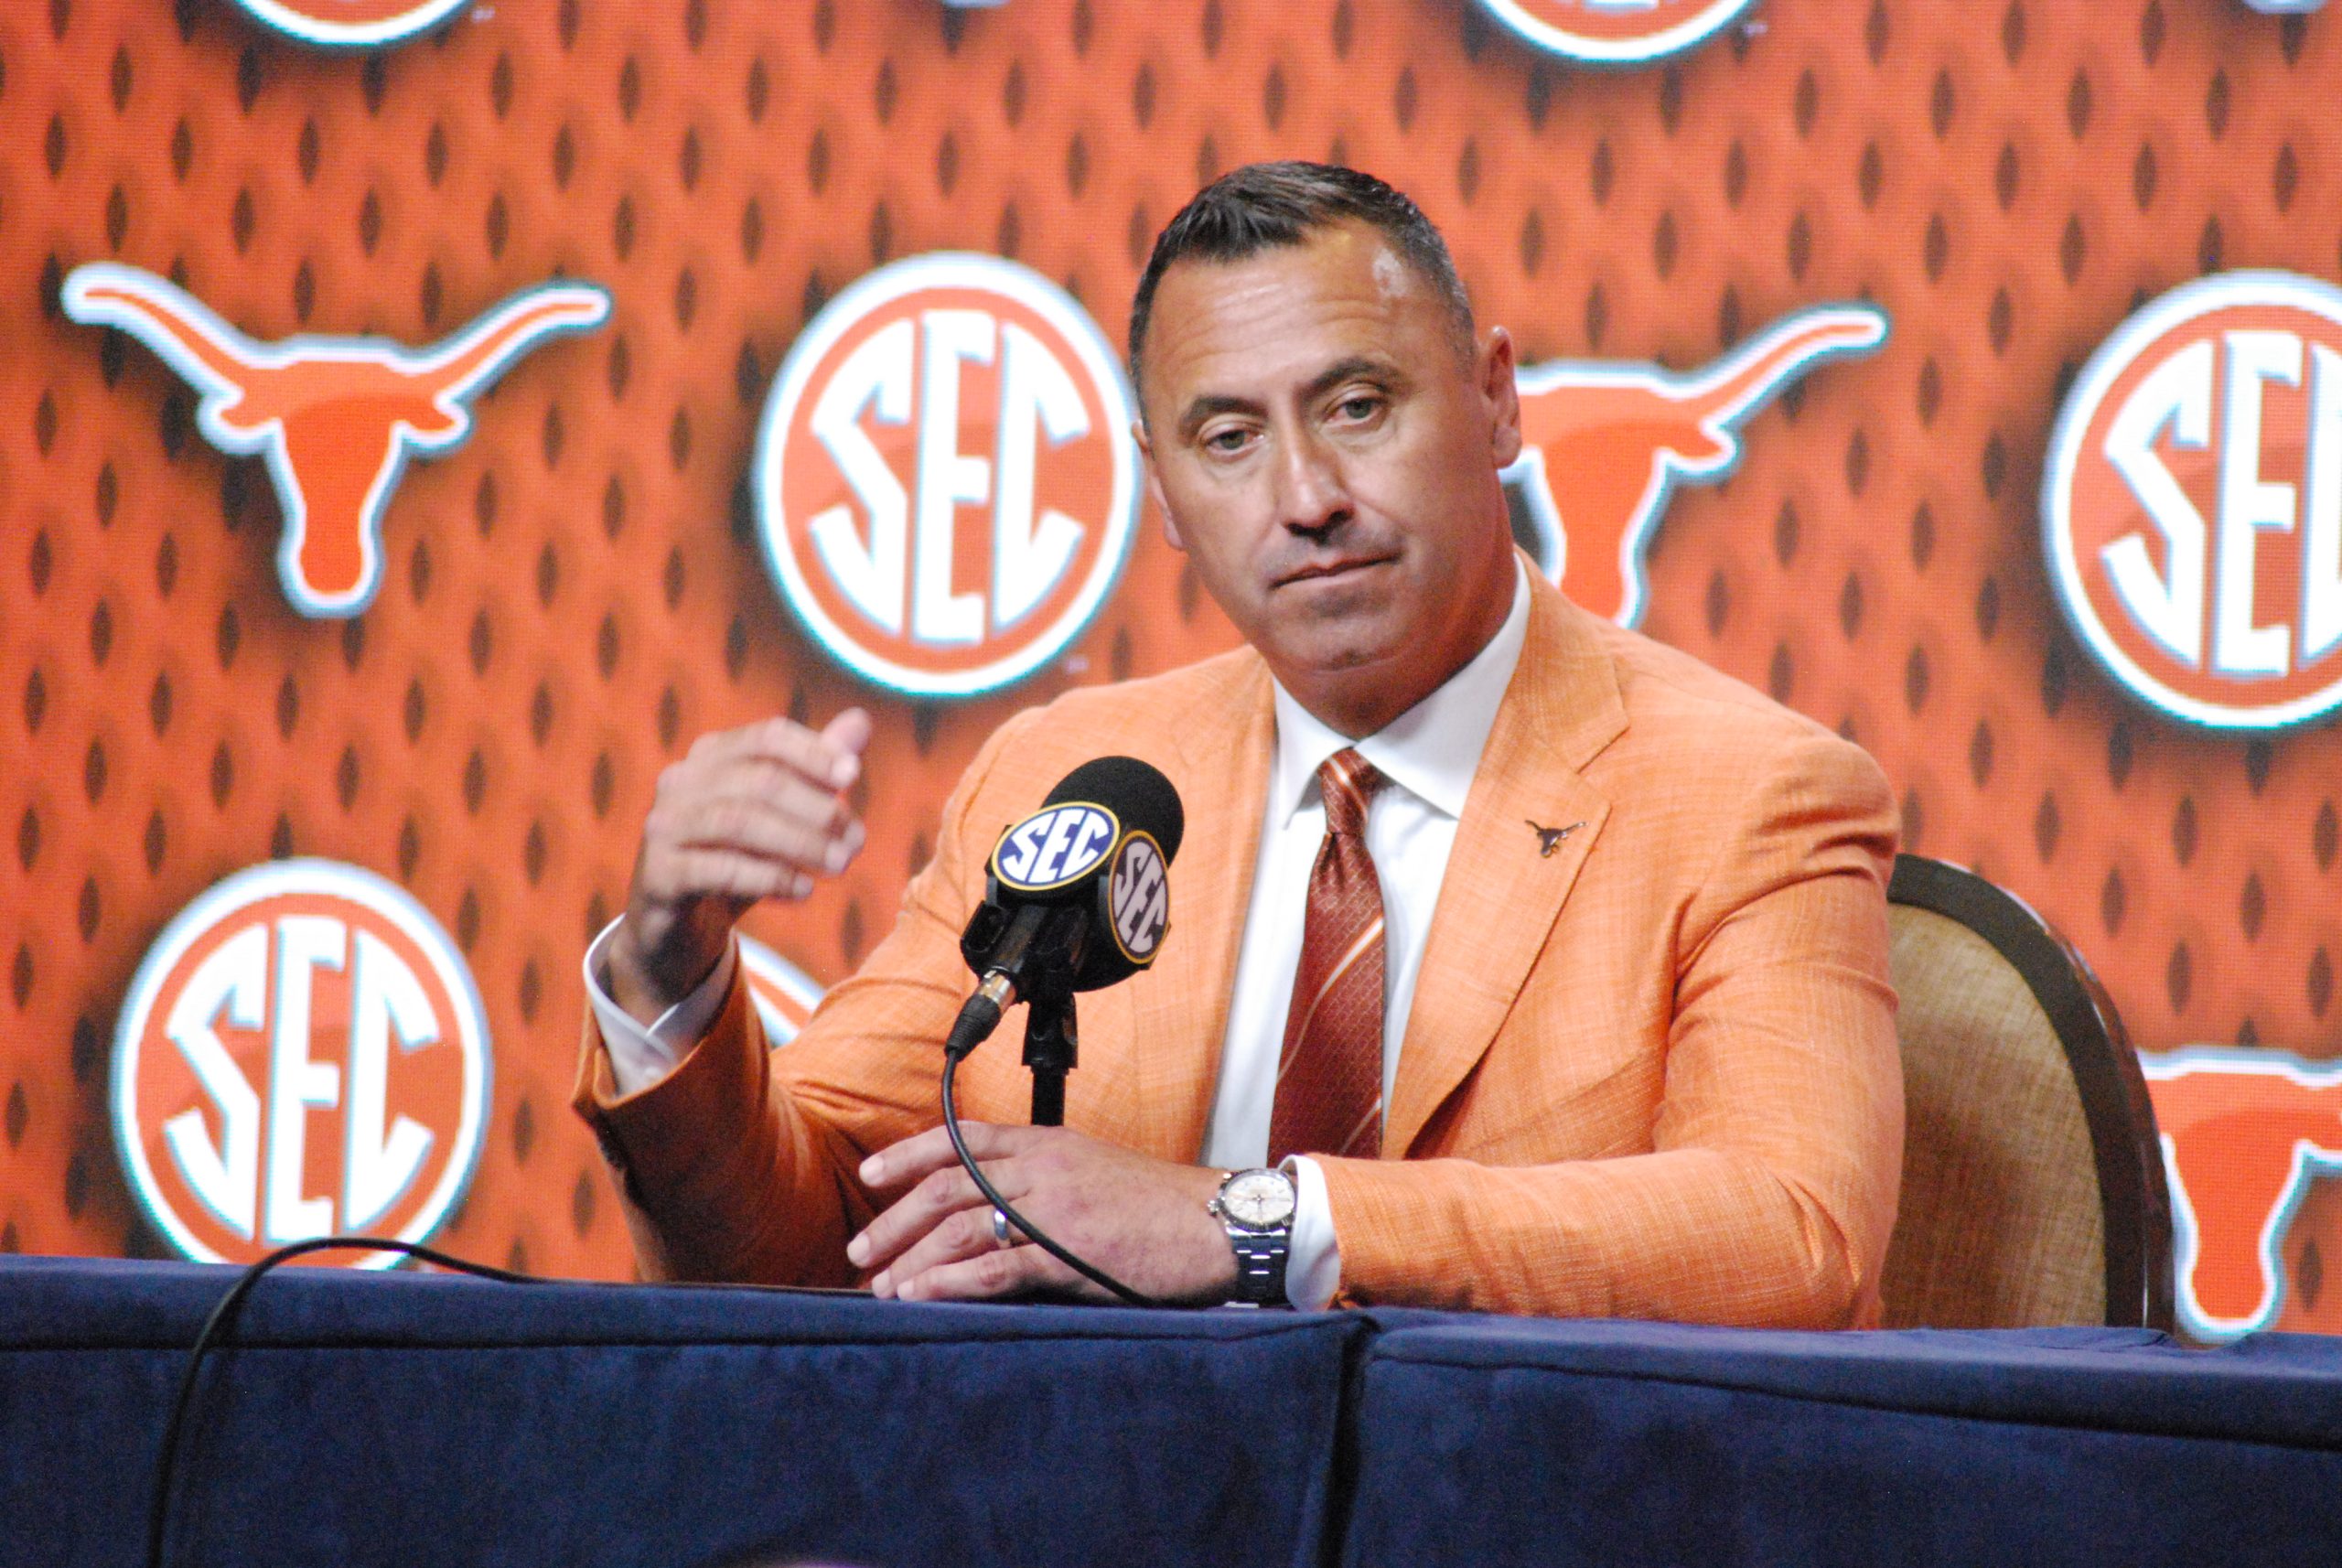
(419, 18)
(2139, 331)
(1701, 27)
(966, 270)
(240, 890)
(765, 964)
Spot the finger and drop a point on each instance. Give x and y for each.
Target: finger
(988, 1276)
(753, 825)
(784, 741)
(897, 1165)
(686, 785)
(849, 733)
(762, 779)
(967, 1233)
(807, 833)
(939, 1198)
(722, 812)
(680, 876)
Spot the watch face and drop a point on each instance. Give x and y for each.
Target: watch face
(1258, 1200)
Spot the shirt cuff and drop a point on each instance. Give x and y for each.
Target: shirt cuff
(1313, 1263)
(640, 1057)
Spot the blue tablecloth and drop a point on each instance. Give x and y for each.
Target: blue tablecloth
(1614, 1444)
(414, 1419)
(409, 1419)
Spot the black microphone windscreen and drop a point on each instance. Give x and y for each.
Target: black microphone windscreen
(1135, 791)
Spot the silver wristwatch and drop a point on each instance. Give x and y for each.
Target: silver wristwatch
(1256, 1206)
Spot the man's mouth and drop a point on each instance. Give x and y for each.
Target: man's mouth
(1319, 571)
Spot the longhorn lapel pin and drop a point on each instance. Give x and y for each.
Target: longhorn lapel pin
(1550, 839)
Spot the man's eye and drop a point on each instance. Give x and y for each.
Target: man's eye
(1227, 442)
(1359, 406)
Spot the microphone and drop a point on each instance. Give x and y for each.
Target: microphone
(1077, 896)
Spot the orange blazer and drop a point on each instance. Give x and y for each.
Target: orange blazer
(1650, 1074)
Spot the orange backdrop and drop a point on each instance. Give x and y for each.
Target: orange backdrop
(572, 595)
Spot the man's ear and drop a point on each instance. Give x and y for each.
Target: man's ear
(1502, 395)
(1154, 487)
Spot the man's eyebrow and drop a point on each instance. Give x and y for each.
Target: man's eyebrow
(1356, 367)
(1192, 417)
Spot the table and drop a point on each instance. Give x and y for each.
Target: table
(1610, 1445)
(418, 1419)
(411, 1419)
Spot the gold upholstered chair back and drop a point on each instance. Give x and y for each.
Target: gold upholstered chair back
(2033, 1179)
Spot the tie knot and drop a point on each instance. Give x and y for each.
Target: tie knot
(1347, 782)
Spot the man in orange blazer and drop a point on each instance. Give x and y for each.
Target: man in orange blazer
(1628, 1048)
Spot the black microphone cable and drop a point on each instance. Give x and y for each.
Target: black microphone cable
(217, 1325)
(1037, 935)
(215, 1328)
(979, 1016)
(1033, 1232)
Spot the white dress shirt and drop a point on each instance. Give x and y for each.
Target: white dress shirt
(1429, 754)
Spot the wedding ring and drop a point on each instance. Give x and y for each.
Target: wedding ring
(1000, 1229)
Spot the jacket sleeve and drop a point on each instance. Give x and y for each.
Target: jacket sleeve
(1768, 1190)
(740, 1164)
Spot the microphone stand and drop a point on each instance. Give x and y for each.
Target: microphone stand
(1052, 1044)
(1033, 959)
(1051, 1038)
(1034, 956)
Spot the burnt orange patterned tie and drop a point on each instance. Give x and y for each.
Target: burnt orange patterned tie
(1329, 1077)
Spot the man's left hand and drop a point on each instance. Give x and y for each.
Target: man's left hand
(1140, 1220)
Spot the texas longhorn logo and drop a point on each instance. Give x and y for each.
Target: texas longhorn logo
(353, 24)
(930, 388)
(1616, 32)
(2192, 507)
(2244, 1132)
(1604, 443)
(336, 417)
(302, 1053)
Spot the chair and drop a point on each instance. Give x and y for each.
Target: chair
(2034, 1191)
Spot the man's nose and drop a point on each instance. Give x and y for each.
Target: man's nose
(1311, 495)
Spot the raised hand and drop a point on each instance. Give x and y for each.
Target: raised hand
(751, 813)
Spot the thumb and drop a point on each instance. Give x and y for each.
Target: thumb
(850, 733)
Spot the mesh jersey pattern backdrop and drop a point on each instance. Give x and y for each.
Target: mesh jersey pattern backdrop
(578, 592)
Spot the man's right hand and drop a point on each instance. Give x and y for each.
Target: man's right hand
(754, 812)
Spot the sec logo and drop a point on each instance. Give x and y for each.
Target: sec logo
(945, 480)
(1616, 32)
(1138, 897)
(302, 1053)
(1054, 846)
(352, 24)
(2192, 508)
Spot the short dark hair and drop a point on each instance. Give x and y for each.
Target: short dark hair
(1266, 205)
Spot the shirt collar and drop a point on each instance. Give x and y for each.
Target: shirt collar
(1432, 749)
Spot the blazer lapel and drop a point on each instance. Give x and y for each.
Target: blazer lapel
(1504, 888)
(1179, 1013)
